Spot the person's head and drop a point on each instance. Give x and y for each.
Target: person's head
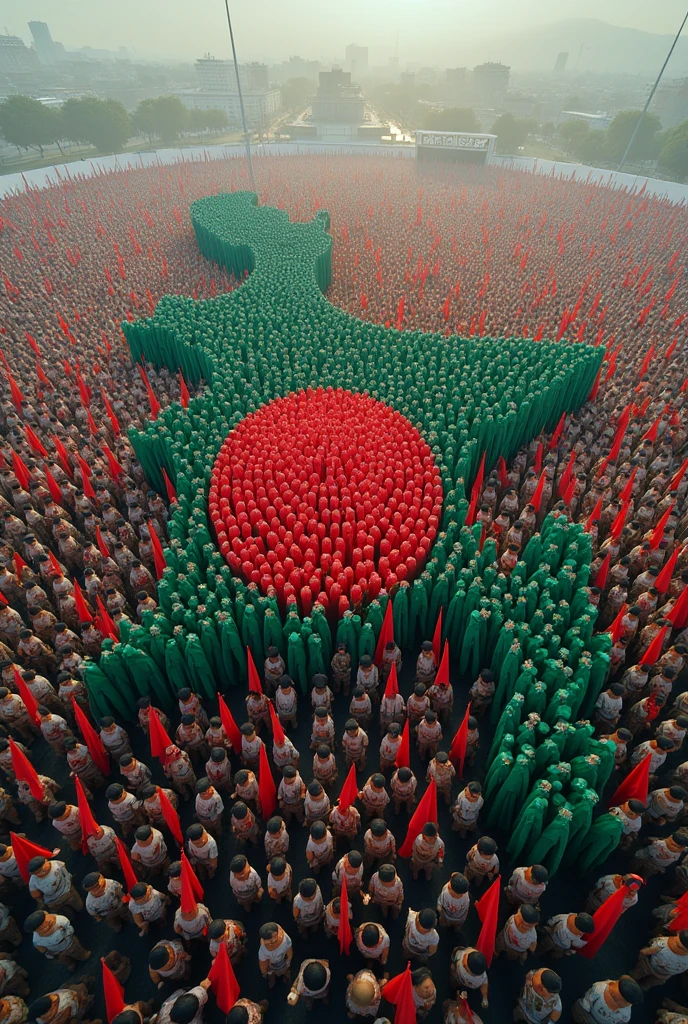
(278, 866)
(529, 914)
(289, 772)
(238, 864)
(184, 1009)
(270, 934)
(550, 981)
(426, 646)
(458, 883)
(629, 991)
(387, 873)
(308, 888)
(35, 921)
(539, 874)
(584, 924)
(378, 780)
(486, 846)
(126, 1016)
(240, 810)
(323, 752)
(475, 789)
(57, 810)
(43, 1006)
(218, 755)
(427, 919)
(378, 827)
(195, 832)
(143, 834)
(370, 936)
(318, 831)
(683, 938)
(430, 831)
(237, 1015)
(404, 775)
(92, 881)
(38, 866)
(139, 891)
(351, 726)
(114, 792)
(419, 689)
(274, 825)
(636, 806)
(159, 956)
(476, 962)
(362, 992)
(314, 976)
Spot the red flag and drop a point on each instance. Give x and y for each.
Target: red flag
(115, 468)
(169, 487)
(223, 980)
(116, 429)
(488, 911)
(53, 487)
(34, 442)
(680, 921)
(403, 758)
(26, 695)
(184, 392)
(230, 727)
(392, 685)
(565, 477)
(349, 790)
(537, 464)
(619, 522)
(654, 651)
(190, 894)
(663, 581)
(159, 740)
(536, 500)
(56, 567)
(477, 488)
(89, 825)
(26, 772)
(503, 473)
(678, 616)
(92, 740)
(676, 479)
(634, 786)
(158, 556)
(344, 927)
(130, 879)
(651, 433)
(102, 546)
(253, 677)
(616, 626)
(20, 470)
(276, 726)
(113, 992)
(656, 534)
(425, 811)
(627, 493)
(81, 606)
(437, 638)
(595, 387)
(17, 397)
(457, 752)
(170, 815)
(399, 992)
(24, 851)
(554, 440)
(267, 791)
(106, 623)
(594, 516)
(442, 677)
(602, 572)
(605, 917)
(386, 634)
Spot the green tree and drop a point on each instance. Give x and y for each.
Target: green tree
(673, 155)
(216, 120)
(451, 119)
(646, 145)
(591, 147)
(105, 124)
(28, 124)
(512, 132)
(297, 93)
(548, 129)
(143, 118)
(572, 132)
(171, 118)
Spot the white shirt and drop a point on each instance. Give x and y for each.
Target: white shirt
(109, 900)
(453, 906)
(55, 884)
(151, 909)
(276, 958)
(594, 1003)
(166, 1008)
(419, 942)
(59, 940)
(562, 935)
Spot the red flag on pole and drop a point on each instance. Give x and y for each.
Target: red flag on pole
(223, 980)
(230, 727)
(267, 791)
(170, 815)
(184, 392)
(392, 684)
(24, 850)
(676, 479)
(26, 772)
(159, 740)
(102, 546)
(344, 928)
(663, 581)
(536, 500)
(253, 677)
(81, 606)
(554, 440)
(53, 487)
(403, 758)
(386, 634)
(457, 751)
(488, 912)
(656, 535)
(26, 695)
(192, 877)
(158, 555)
(602, 572)
(634, 786)
(594, 516)
(349, 790)
(442, 677)
(604, 918)
(654, 651)
(169, 487)
(130, 879)
(92, 740)
(437, 638)
(425, 811)
(89, 825)
(189, 900)
(399, 992)
(113, 992)
(678, 616)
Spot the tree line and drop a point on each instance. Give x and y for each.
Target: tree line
(667, 149)
(105, 124)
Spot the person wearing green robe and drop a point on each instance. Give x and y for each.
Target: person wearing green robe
(581, 821)
(550, 847)
(198, 669)
(498, 773)
(506, 680)
(506, 803)
(599, 843)
(528, 827)
(146, 675)
(605, 750)
(104, 698)
(508, 723)
(586, 768)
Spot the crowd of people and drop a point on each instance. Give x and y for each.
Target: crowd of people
(478, 254)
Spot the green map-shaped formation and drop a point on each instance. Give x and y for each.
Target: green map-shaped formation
(276, 334)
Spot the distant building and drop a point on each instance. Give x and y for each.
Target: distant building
(217, 90)
(338, 111)
(295, 67)
(356, 60)
(17, 62)
(598, 122)
(456, 85)
(408, 79)
(671, 102)
(43, 42)
(560, 63)
(490, 82)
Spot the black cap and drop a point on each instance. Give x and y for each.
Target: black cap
(551, 981)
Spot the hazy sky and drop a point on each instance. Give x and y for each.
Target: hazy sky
(274, 29)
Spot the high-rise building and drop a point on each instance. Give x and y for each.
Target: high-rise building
(219, 75)
(217, 89)
(338, 111)
(490, 82)
(356, 61)
(17, 61)
(560, 63)
(43, 42)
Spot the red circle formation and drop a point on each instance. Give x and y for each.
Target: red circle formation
(325, 495)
